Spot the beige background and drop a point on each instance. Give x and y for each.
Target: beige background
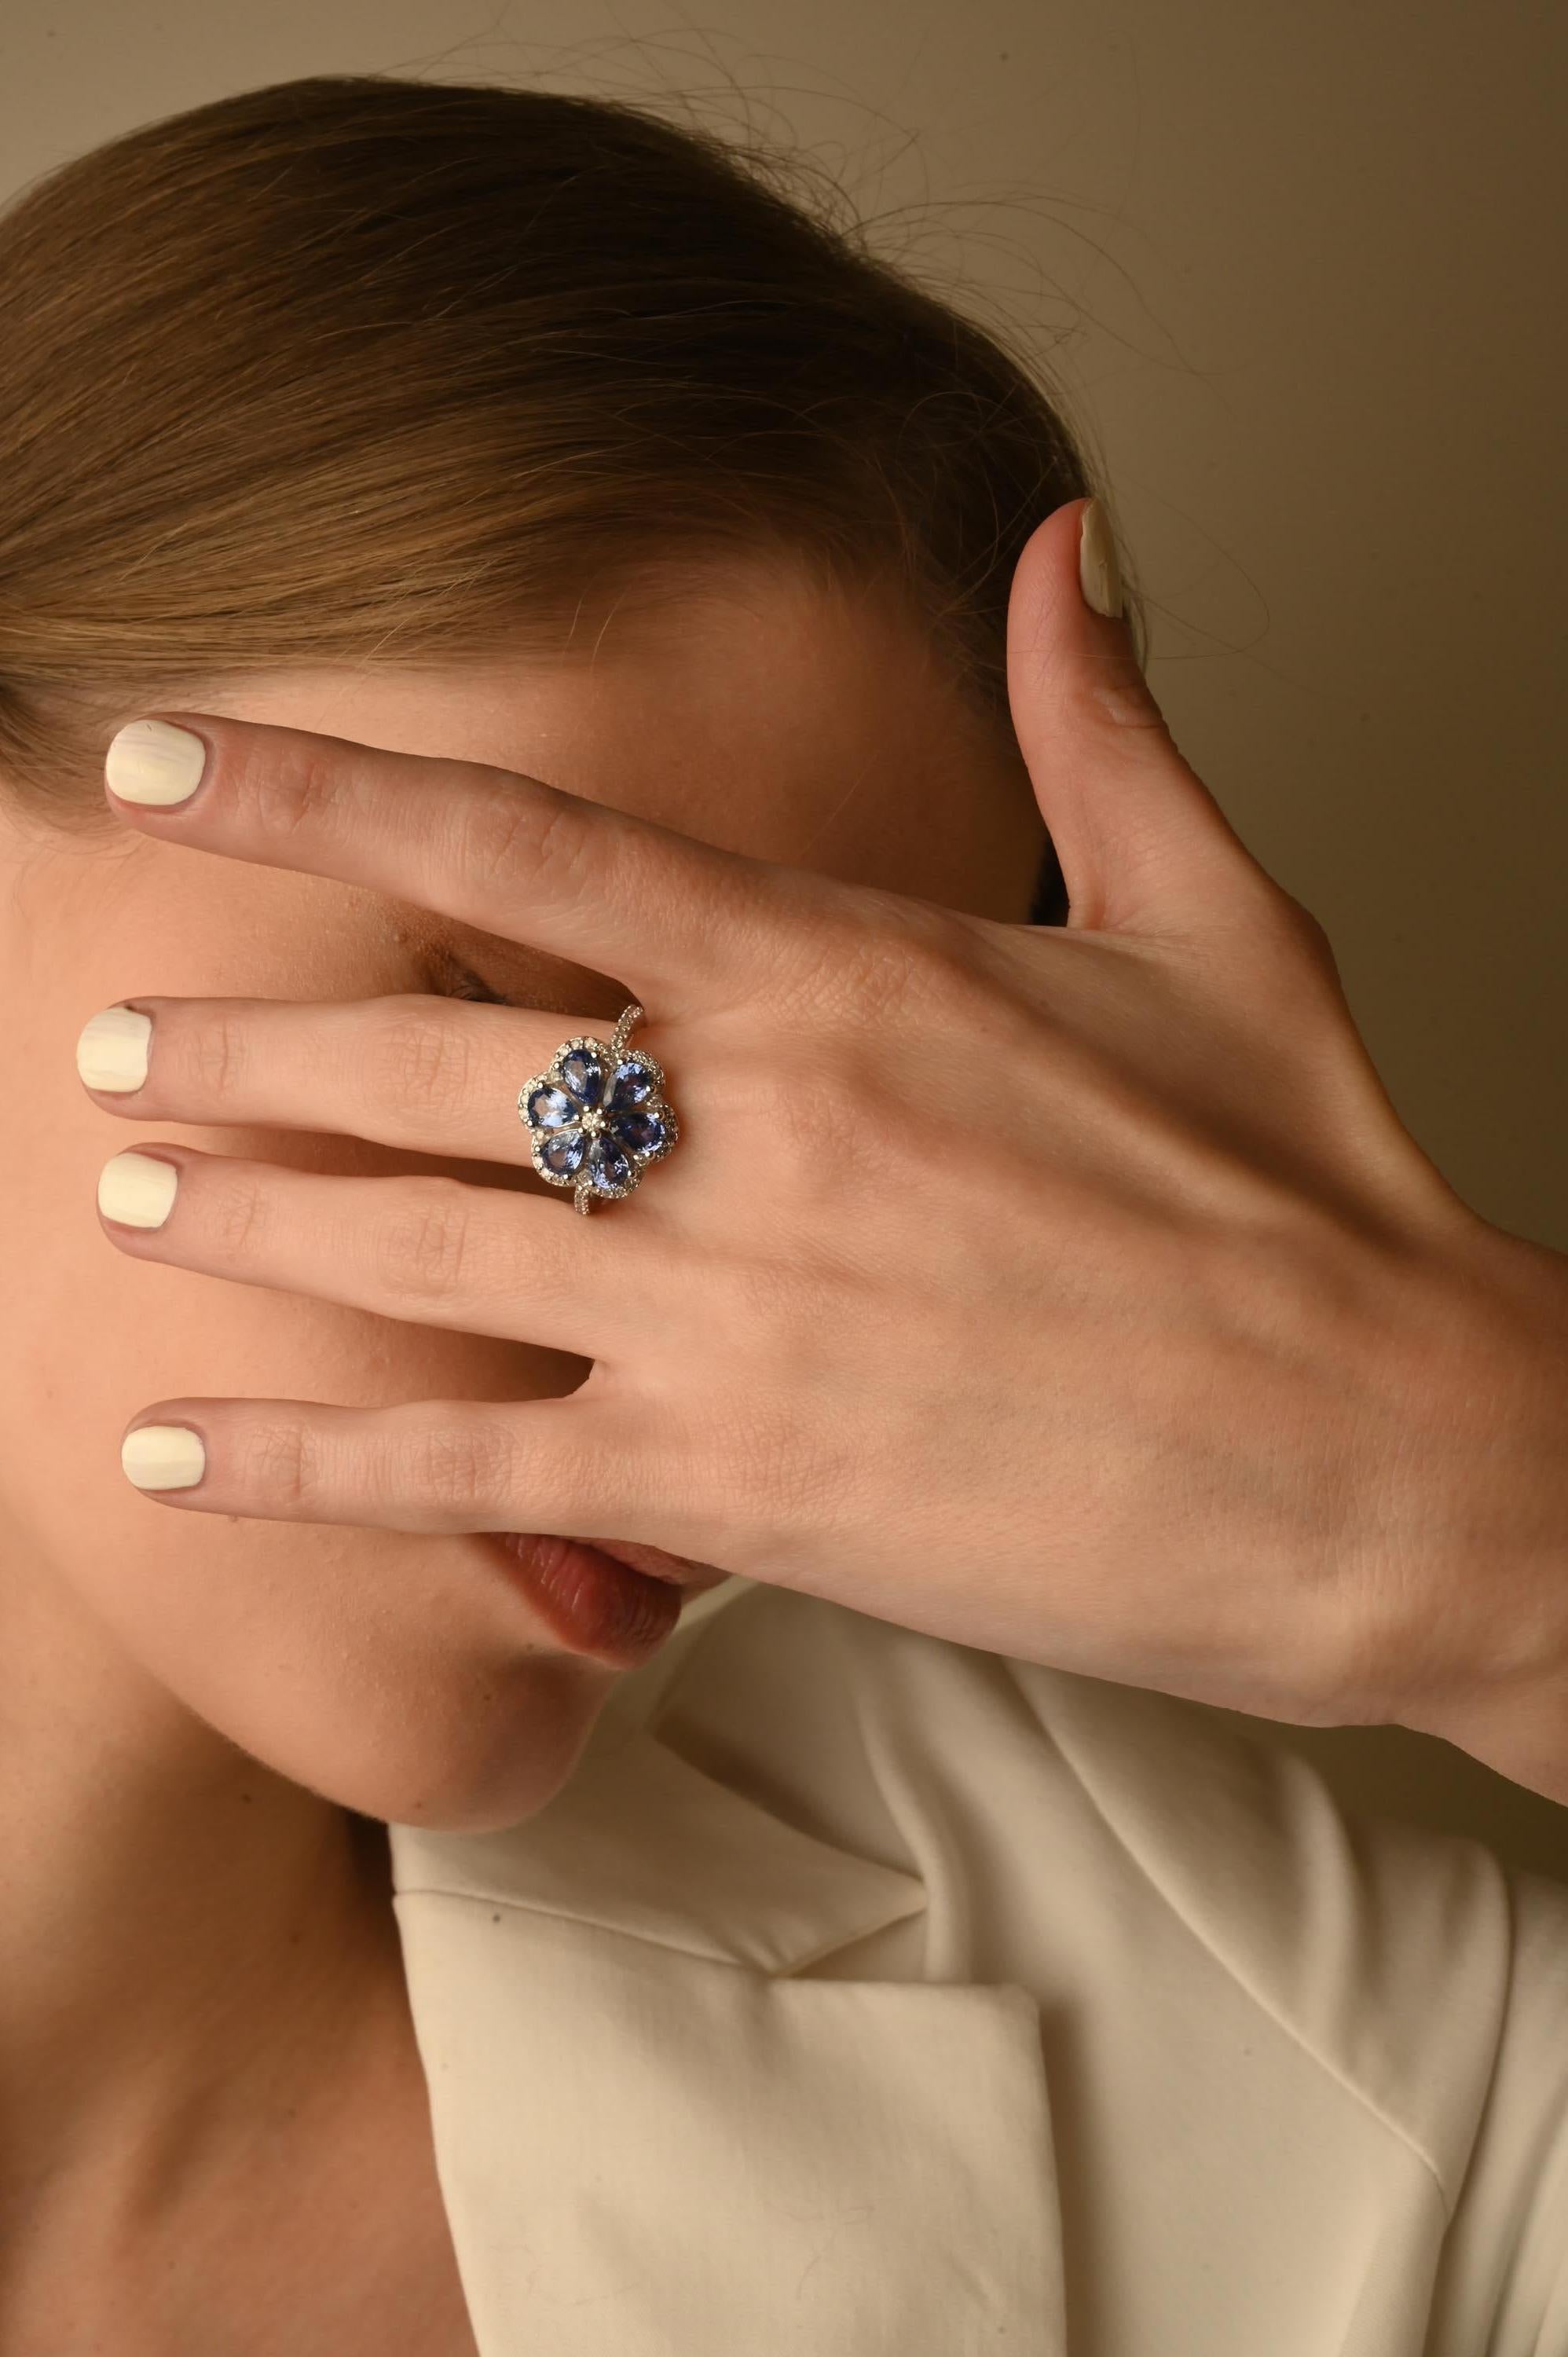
(1299, 269)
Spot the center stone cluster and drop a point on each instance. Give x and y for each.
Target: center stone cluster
(597, 1123)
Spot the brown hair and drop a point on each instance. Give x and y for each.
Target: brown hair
(355, 370)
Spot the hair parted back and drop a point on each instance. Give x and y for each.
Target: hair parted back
(359, 370)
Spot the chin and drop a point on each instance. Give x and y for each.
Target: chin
(471, 1756)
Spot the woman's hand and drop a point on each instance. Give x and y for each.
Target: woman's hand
(1071, 1292)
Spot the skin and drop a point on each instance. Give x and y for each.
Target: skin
(201, 2008)
(1074, 1293)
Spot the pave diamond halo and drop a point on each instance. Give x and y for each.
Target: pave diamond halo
(598, 1116)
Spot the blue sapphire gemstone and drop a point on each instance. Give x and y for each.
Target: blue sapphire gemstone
(607, 1166)
(563, 1152)
(632, 1084)
(583, 1073)
(551, 1109)
(640, 1133)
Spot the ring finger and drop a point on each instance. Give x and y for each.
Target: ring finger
(411, 1068)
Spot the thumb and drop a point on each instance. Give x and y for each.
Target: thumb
(1140, 839)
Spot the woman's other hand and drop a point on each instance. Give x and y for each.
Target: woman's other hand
(1071, 1292)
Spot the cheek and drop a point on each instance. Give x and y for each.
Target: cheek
(377, 1667)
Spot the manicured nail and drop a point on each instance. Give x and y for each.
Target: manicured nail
(1098, 574)
(112, 1051)
(163, 1457)
(152, 761)
(137, 1190)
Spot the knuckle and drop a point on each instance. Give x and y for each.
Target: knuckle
(1308, 934)
(892, 964)
(279, 781)
(817, 1111)
(418, 1062)
(461, 1464)
(519, 833)
(955, 978)
(495, 835)
(238, 1214)
(281, 1463)
(881, 958)
(858, 1149)
(215, 1055)
(1288, 924)
(419, 1250)
(1114, 688)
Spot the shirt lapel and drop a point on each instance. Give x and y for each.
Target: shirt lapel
(654, 2140)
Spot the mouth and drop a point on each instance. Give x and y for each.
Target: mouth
(611, 1599)
(679, 1570)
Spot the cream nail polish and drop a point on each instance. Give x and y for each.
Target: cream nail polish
(163, 1457)
(1098, 574)
(112, 1051)
(153, 761)
(137, 1190)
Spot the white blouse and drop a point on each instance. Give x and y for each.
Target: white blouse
(864, 1995)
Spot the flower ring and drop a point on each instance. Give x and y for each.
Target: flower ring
(598, 1116)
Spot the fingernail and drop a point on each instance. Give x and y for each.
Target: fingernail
(153, 761)
(112, 1050)
(1098, 574)
(137, 1190)
(163, 1457)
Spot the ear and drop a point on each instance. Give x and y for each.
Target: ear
(1140, 839)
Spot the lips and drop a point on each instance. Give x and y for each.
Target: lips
(604, 1600)
(678, 1569)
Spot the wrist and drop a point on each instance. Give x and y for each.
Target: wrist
(1483, 1658)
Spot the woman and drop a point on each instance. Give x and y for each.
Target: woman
(783, 1976)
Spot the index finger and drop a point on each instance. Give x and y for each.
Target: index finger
(662, 912)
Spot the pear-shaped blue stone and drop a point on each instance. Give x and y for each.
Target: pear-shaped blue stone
(607, 1166)
(632, 1084)
(551, 1108)
(583, 1073)
(563, 1152)
(640, 1133)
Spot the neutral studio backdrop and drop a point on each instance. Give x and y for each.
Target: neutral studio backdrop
(1298, 273)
